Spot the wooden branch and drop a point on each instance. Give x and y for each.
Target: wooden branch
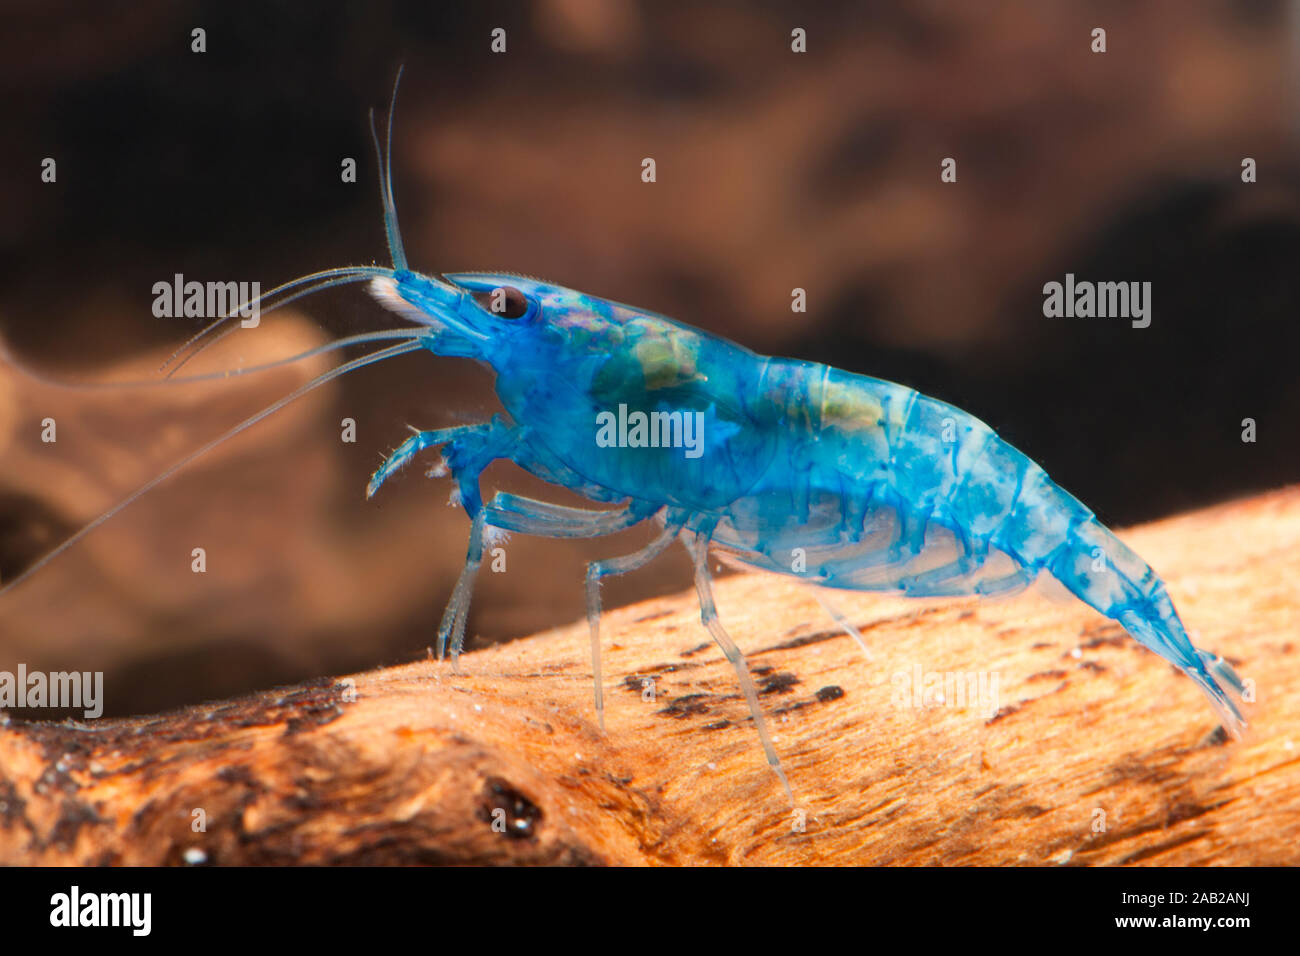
(1094, 751)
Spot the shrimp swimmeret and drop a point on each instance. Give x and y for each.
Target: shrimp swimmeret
(790, 466)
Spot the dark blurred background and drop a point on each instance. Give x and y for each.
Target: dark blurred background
(775, 170)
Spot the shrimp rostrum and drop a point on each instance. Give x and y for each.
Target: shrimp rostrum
(873, 486)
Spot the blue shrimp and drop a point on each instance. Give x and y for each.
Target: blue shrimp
(875, 486)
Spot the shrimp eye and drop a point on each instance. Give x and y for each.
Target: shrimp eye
(505, 302)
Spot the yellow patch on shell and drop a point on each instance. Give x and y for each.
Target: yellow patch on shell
(668, 358)
(848, 405)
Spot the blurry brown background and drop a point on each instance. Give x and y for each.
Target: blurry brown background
(775, 170)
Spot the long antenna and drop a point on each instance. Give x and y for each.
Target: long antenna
(379, 356)
(385, 160)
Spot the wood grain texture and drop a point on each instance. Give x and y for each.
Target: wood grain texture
(1088, 728)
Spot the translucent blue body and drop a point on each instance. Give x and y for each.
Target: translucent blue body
(802, 469)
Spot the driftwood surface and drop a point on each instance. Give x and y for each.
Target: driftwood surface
(1097, 751)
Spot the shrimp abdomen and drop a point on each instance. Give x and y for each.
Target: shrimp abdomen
(1106, 574)
(885, 489)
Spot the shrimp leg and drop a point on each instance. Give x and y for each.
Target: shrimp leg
(467, 457)
(453, 618)
(597, 570)
(527, 516)
(469, 450)
(842, 620)
(699, 546)
(530, 516)
(417, 443)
